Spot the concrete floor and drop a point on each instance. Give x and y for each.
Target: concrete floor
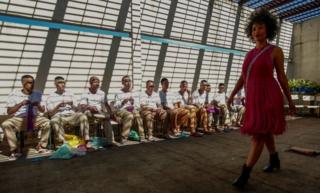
(193, 165)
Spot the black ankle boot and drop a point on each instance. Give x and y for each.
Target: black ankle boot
(274, 163)
(243, 178)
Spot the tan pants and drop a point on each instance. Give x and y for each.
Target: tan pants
(104, 119)
(178, 117)
(202, 117)
(58, 122)
(192, 125)
(149, 118)
(236, 114)
(221, 116)
(126, 121)
(138, 123)
(16, 124)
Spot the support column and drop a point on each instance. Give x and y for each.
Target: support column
(114, 49)
(233, 45)
(203, 41)
(164, 46)
(49, 46)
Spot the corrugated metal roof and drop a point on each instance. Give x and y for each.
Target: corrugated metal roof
(290, 10)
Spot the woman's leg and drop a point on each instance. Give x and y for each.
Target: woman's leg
(274, 161)
(269, 141)
(257, 143)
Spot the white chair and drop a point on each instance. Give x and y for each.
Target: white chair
(298, 103)
(312, 103)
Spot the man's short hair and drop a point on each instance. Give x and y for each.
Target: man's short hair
(164, 79)
(58, 78)
(26, 76)
(183, 82)
(93, 78)
(124, 77)
(204, 82)
(148, 82)
(221, 84)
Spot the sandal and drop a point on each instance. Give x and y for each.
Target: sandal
(42, 150)
(14, 156)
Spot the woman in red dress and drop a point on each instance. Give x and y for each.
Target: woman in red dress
(264, 116)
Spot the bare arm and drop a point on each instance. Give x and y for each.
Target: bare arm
(14, 109)
(282, 78)
(55, 110)
(39, 106)
(83, 107)
(236, 89)
(108, 108)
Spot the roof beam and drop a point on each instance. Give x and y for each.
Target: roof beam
(304, 16)
(241, 2)
(301, 9)
(275, 4)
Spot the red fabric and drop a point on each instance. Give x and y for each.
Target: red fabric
(264, 99)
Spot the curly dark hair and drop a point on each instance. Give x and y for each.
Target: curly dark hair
(263, 16)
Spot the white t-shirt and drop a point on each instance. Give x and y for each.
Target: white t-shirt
(199, 99)
(210, 97)
(151, 101)
(183, 98)
(97, 99)
(18, 96)
(54, 99)
(119, 97)
(237, 100)
(220, 98)
(168, 98)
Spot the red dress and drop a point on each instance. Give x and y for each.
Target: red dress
(264, 99)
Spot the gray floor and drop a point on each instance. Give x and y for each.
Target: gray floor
(193, 165)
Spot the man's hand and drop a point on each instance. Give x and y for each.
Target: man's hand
(158, 110)
(92, 109)
(229, 103)
(25, 102)
(124, 101)
(131, 99)
(62, 104)
(68, 103)
(292, 109)
(36, 103)
(112, 116)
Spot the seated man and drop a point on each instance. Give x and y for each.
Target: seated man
(95, 105)
(184, 95)
(61, 108)
(176, 116)
(237, 110)
(127, 105)
(212, 109)
(23, 105)
(220, 100)
(199, 100)
(151, 110)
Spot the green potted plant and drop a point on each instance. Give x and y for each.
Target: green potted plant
(293, 85)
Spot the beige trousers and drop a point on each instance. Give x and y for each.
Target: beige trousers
(202, 117)
(126, 121)
(192, 125)
(58, 122)
(104, 119)
(150, 117)
(16, 124)
(138, 123)
(178, 117)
